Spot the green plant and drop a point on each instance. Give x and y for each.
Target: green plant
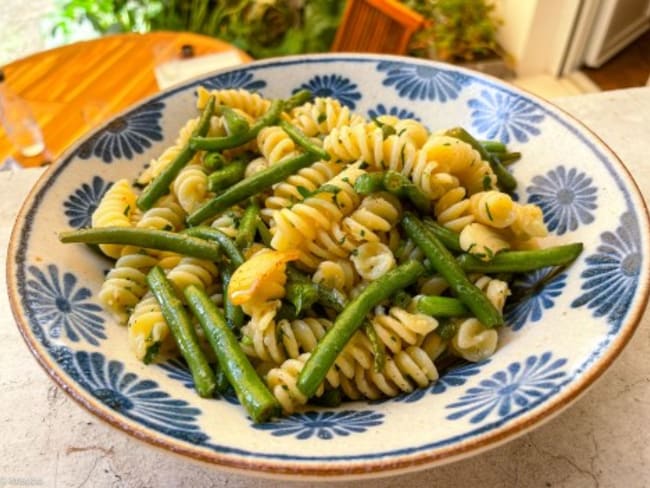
(263, 28)
(458, 30)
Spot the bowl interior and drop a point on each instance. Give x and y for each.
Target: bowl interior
(559, 337)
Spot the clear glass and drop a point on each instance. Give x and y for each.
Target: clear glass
(20, 125)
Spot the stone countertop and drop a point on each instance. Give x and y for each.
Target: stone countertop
(602, 440)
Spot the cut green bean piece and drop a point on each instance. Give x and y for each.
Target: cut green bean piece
(299, 98)
(247, 226)
(235, 123)
(522, 261)
(214, 161)
(227, 176)
(509, 158)
(303, 141)
(159, 186)
(444, 263)
(493, 146)
(264, 232)
(437, 306)
(146, 238)
(249, 187)
(368, 183)
(235, 140)
(233, 313)
(183, 331)
(254, 395)
(349, 320)
(225, 243)
(506, 181)
(448, 237)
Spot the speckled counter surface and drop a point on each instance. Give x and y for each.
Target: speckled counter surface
(602, 440)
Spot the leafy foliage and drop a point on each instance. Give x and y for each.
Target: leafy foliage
(458, 30)
(263, 28)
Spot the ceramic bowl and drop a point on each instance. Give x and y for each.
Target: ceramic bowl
(559, 338)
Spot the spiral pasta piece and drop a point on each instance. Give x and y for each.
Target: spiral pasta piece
(482, 241)
(238, 98)
(493, 208)
(453, 210)
(190, 187)
(125, 284)
(148, 332)
(402, 373)
(473, 341)
(323, 115)
(115, 209)
(157, 165)
(275, 144)
(496, 290)
(166, 214)
(282, 382)
(373, 260)
(296, 186)
(261, 336)
(340, 275)
(528, 222)
(399, 329)
(376, 215)
(409, 129)
(301, 222)
(478, 177)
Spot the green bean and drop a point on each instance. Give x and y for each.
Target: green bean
(234, 140)
(438, 306)
(509, 158)
(299, 98)
(377, 347)
(493, 146)
(329, 398)
(447, 236)
(395, 183)
(247, 226)
(225, 243)
(264, 232)
(235, 123)
(147, 238)
(506, 181)
(249, 187)
(301, 295)
(447, 329)
(522, 261)
(214, 161)
(368, 183)
(251, 390)
(303, 141)
(400, 185)
(444, 263)
(160, 184)
(233, 313)
(183, 331)
(227, 176)
(349, 320)
(222, 385)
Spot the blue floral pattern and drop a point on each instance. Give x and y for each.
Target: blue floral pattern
(418, 82)
(505, 117)
(516, 389)
(235, 79)
(567, 198)
(612, 273)
(536, 298)
(335, 86)
(139, 400)
(324, 425)
(455, 377)
(81, 204)
(178, 370)
(62, 306)
(401, 113)
(125, 136)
